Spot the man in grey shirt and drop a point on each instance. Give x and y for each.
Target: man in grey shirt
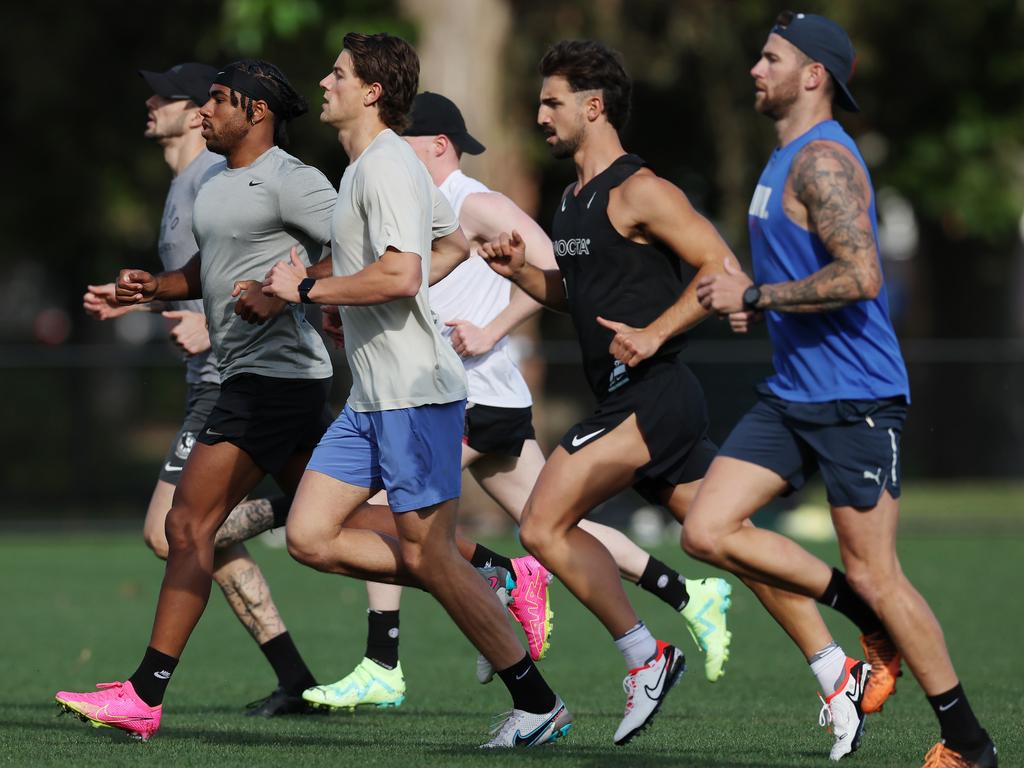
(257, 205)
(174, 122)
(401, 429)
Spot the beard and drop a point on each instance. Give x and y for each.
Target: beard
(227, 138)
(778, 104)
(567, 147)
(169, 130)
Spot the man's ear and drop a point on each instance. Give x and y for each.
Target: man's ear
(195, 120)
(260, 112)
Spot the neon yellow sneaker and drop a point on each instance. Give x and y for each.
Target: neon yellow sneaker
(705, 618)
(369, 684)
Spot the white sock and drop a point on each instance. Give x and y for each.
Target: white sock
(637, 646)
(827, 666)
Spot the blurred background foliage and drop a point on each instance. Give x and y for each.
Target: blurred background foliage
(942, 128)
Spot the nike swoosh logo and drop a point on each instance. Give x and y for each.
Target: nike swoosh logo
(944, 707)
(255, 183)
(526, 672)
(214, 434)
(659, 684)
(168, 467)
(531, 737)
(591, 200)
(563, 205)
(578, 441)
(858, 689)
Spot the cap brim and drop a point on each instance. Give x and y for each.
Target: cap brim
(843, 96)
(161, 85)
(468, 144)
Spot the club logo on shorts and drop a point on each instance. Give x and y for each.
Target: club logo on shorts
(184, 447)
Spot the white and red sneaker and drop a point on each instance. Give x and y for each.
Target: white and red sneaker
(115, 705)
(841, 710)
(646, 688)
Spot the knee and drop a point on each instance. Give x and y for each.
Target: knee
(184, 531)
(416, 558)
(304, 548)
(700, 542)
(534, 535)
(156, 541)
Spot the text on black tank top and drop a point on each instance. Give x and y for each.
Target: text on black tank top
(609, 275)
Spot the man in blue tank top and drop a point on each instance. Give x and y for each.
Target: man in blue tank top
(838, 398)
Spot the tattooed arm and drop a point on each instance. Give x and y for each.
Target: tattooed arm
(832, 194)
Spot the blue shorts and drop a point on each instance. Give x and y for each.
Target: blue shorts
(415, 454)
(855, 444)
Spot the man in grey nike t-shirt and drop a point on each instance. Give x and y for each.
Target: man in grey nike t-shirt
(275, 372)
(174, 122)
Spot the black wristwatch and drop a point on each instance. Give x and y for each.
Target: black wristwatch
(750, 298)
(304, 288)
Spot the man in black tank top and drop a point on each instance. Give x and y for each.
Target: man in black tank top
(629, 249)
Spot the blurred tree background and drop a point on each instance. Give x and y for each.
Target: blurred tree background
(89, 407)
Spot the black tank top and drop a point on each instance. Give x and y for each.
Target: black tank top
(609, 275)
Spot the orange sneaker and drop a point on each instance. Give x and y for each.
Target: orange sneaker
(941, 756)
(885, 660)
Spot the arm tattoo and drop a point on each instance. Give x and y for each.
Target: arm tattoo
(248, 519)
(837, 198)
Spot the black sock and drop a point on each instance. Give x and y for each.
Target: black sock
(292, 673)
(280, 506)
(485, 558)
(530, 692)
(382, 638)
(960, 728)
(151, 678)
(840, 596)
(661, 581)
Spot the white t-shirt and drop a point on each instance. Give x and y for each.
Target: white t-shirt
(475, 292)
(395, 350)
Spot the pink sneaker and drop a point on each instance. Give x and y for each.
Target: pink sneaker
(115, 705)
(530, 604)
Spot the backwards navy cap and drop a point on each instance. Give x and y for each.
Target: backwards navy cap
(825, 42)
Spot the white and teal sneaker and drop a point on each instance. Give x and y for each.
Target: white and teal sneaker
(525, 729)
(369, 684)
(705, 618)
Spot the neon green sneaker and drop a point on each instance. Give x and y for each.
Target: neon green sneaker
(368, 684)
(705, 618)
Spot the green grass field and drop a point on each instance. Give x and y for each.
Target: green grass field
(78, 611)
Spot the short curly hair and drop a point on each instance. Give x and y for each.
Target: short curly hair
(392, 62)
(588, 65)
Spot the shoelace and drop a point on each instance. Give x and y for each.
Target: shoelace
(501, 723)
(116, 684)
(825, 715)
(629, 688)
(883, 651)
(941, 756)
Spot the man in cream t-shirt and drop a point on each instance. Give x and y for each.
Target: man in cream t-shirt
(401, 430)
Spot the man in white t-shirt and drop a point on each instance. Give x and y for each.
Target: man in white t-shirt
(479, 308)
(401, 431)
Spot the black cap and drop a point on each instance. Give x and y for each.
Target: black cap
(433, 114)
(182, 81)
(825, 42)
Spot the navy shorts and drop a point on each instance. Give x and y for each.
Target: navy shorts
(854, 443)
(415, 454)
(198, 405)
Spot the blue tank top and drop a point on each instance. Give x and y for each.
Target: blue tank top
(845, 354)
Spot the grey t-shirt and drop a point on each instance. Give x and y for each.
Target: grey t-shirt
(246, 220)
(395, 350)
(177, 244)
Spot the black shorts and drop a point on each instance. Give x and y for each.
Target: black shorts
(500, 431)
(199, 403)
(855, 444)
(673, 419)
(270, 419)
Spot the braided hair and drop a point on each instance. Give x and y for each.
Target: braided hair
(290, 104)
